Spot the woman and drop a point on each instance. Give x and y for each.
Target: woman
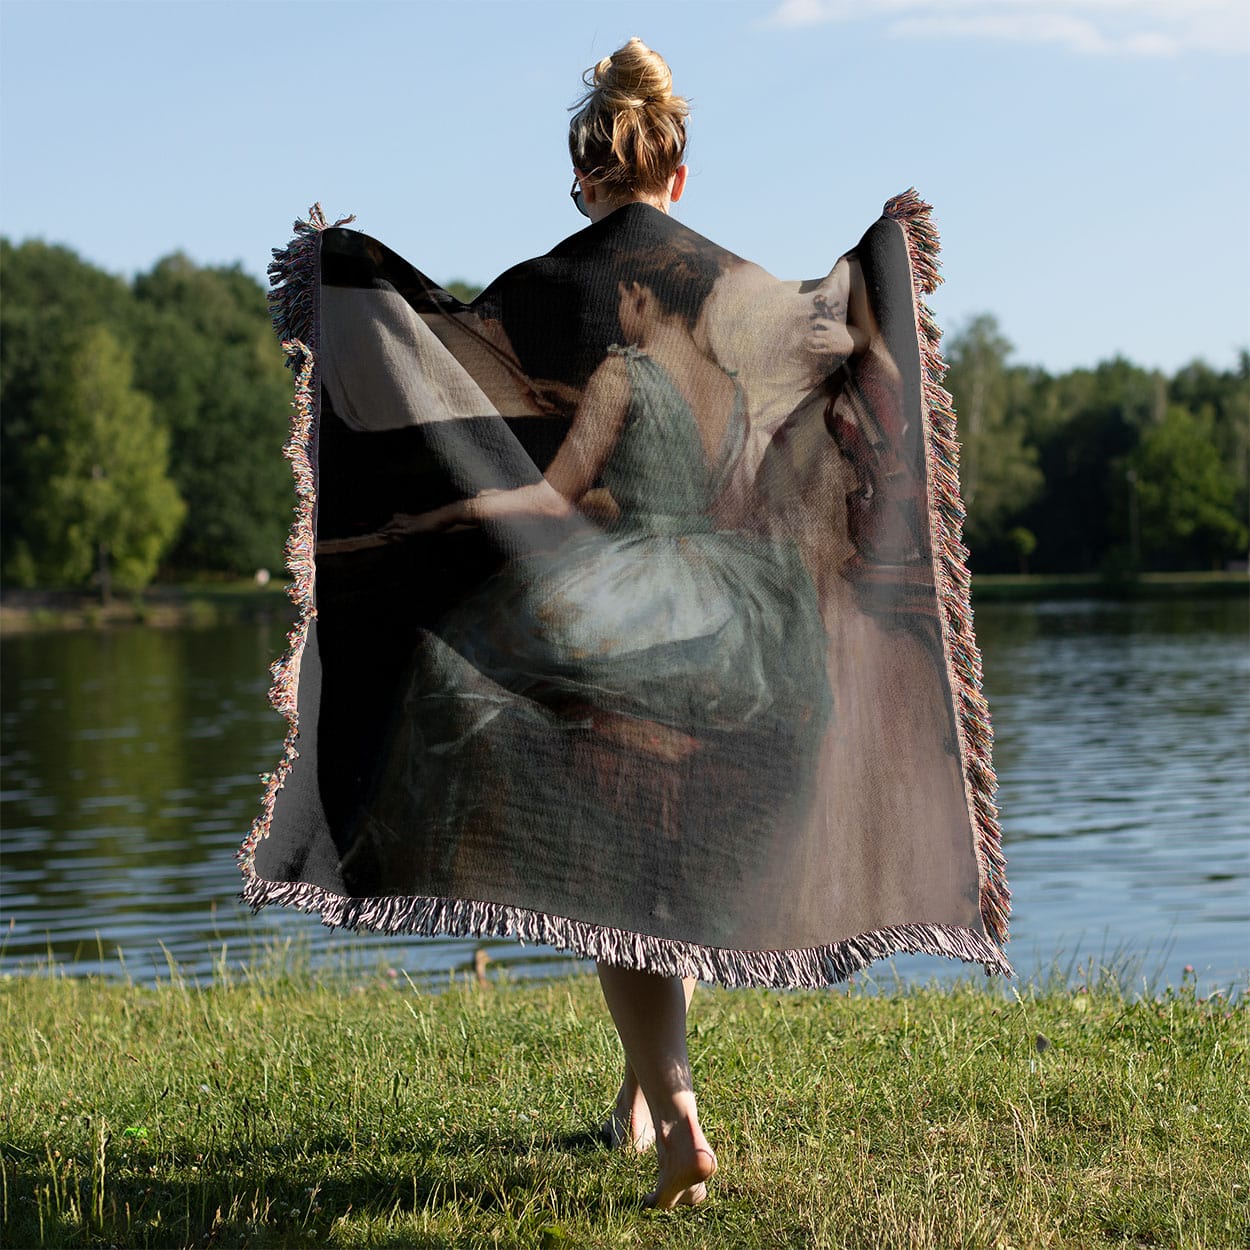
(663, 427)
(679, 677)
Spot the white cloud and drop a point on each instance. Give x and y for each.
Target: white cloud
(1137, 28)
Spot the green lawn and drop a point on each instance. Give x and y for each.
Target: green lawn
(293, 1110)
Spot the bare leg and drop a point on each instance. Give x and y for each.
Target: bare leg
(650, 1015)
(629, 1124)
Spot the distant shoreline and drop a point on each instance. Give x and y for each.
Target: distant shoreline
(163, 606)
(1006, 587)
(196, 604)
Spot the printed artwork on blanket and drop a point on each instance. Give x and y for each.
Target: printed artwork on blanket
(635, 616)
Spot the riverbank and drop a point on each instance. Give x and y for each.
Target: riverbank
(1012, 587)
(218, 603)
(286, 1110)
(193, 604)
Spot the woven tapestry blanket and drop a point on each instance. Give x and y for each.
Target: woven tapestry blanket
(633, 614)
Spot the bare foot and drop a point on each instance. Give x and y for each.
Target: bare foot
(627, 1133)
(629, 1126)
(686, 1165)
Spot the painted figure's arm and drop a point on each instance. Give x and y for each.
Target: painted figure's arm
(841, 328)
(861, 323)
(570, 475)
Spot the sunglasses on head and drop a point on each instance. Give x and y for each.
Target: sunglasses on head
(578, 199)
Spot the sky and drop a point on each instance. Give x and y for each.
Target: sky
(1088, 160)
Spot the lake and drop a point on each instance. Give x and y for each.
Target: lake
(131, 759)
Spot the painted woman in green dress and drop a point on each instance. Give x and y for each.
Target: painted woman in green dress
(660, 626)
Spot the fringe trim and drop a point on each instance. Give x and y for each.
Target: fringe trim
(295, 276)
(811, 968)
(954, 585)
(300, 547)
(294, 280)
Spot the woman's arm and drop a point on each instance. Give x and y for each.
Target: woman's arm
(595, 429)
(860, 321)
(835, 333)
(489, 505)
(835, 339)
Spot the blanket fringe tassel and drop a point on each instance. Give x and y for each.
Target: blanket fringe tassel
(811, 968)
(294, 280)
(294, 274)
(954, 583)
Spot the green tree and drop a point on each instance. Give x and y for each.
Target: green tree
(1222, 398)
(1024, 543)
(208, 357)
(1085, 427)
(465, 292)
(51, 299)
(1186, 495)
(998, 468)
(105, 506)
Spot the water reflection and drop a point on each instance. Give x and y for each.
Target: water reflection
(1122, 734)
(131, 757)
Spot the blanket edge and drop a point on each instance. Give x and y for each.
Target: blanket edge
(808, 968)
(294, 275)
(954, 580)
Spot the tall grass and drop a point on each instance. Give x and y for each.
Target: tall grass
(283, 1108)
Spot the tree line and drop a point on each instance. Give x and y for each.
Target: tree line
(142, 422)
(1113, 470)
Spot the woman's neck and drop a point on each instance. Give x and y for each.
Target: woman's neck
(602, 208)
(667, 338)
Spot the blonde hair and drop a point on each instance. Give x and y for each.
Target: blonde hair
(629, 131)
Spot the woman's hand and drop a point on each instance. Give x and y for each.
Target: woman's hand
(405, 523)
(539, 499)
(829, 338)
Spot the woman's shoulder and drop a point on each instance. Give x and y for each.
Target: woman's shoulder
(626, 352)
(612, 372)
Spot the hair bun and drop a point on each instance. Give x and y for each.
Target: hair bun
(629, 130)
(633, 77)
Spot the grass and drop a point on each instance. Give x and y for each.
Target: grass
(292, 1109)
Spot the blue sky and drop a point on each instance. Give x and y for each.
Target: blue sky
(1089, 160)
